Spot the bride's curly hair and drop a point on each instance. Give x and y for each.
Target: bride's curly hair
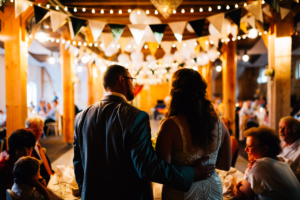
(188, 98)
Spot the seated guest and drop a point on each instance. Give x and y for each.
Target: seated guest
(36, 124)
(289, 134)
(234, 143)
(266, 177)
(21, 143)
(26, 180)
(51, 115)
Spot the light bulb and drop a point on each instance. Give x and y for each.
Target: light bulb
(252, 33)
(79, 69)
(111, 11)
(83, 9)
(156, 12)
(93, 11)
(66, 8)
(201, 9)
(146, 46)
(182, 11)
(174, 11)
(75, 9)
(219, 7)
(138, 12)
(74, 42)
(236, 6)
(96, 44)
(245, 58)
(147, 12)
(51, 60)
(56, 7)
(173, 45)
(227, 7)
(238, 37)
(79, 43)
(120, 12)
(129, 10)
(102, 11)
(192, 10)
(245, 4)
(218, 68)
(47, 6)
(262, 2)
(209, 9)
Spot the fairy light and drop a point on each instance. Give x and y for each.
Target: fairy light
(245, 4)
(85, 44)
(102, 11)
(192, 10)
(211, 42)
(206, 42)
(66, 8)
(47, 6)
(147, 12)
(57, 40)
(74, 43)
(265, 32)
(184, 44)
(56, 7)
(83, 9)
(228, 40)
(195, 44)
(129, 10)
(262, 2)
(75, 9)
(174, 11)
(52, 40)
(79, 43)
(209, 9)
(244, 36)
(111, 11)
(173, 45)
(236, 6)
(233, 39)
(38, 4)
(238, 37)
(118, 46)
(96, 44)
(146, 46)
(63, 41)
(259, 33)
(227, 7)
(91, 44)
(138, 12)
(222, 40)
(201, 9)
(156, 12)
(182, 11)
(113, 46)
(219, 7)
(93, 11)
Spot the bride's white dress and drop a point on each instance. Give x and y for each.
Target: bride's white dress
(206, 189)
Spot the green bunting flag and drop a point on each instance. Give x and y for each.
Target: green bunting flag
(77, 24)
(274, 4)
(235, 16)
(158, 31)
(116, 30)
(198, 25)
(39, 13)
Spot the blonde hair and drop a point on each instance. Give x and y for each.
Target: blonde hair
(34, 121)
(292, 123)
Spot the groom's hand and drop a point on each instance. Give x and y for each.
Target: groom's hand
(203, 172)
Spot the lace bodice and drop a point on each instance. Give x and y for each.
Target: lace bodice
(206, 189)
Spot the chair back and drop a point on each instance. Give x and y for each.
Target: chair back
(59, 123)
(10, 195)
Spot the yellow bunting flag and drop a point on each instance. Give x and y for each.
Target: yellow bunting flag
(152, 47)
(243, 27)
(88, 35)
(123, 41)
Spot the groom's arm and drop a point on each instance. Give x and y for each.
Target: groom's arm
(145, 160)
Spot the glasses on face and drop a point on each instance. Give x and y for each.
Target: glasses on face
(133, 80)
(248, 147)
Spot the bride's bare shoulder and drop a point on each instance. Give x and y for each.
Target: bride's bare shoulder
(168, 125)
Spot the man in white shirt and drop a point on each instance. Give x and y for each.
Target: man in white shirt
(289, 134)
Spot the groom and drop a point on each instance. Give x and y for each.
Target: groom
(113, 153)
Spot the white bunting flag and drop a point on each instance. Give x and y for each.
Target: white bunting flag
(251, 21)
(106, 38)
(178, 29)
(267, 11)
(166, 46)
(57, 20)
(191, 44)
(255, 9)
(96, 28)
(284, 12)
(179, 45)
(137, 31)
(20, 7)
(123, 41)
(234, 30)
(217, 21)
(214, 39)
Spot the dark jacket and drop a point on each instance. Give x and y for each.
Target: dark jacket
(114, 157)
(43, 171)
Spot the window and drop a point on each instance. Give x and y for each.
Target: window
(31, 94)
(262, 78)
(297, 73)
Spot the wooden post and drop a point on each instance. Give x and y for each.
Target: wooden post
(68, 90)
(98, 89)
(91, 80)
(229, 80)
(15, 70)
(279, 58)
(207, 75)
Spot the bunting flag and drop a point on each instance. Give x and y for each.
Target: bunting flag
(214, 39)
(39, 13)
(267, 11)
(234, 30)
(284, 12)
(2, 2)
(251, 21)
(274, 4)
(123, 41)
(140, 46)
(77, 24)
(235, 16)
(117, 30)
(106, 39)
(57, 20)
(152, 47)
(96, 28)
(21, 6)
(178, 29)
(217, 21)
(255, 9)
(88, 35)
(243, 27)
(158, 31)
(191, 44)
(166, 46)
(179, 46)
(198, 26)
(203, 44)
(137, 31)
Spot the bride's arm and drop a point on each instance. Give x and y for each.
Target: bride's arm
(224, 155)
(164, 143)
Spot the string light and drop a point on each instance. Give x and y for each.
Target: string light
(195, 44)
(91, 44)
(236, 6)
(38, 4)
(83, 9)
(262, 2)
(102, 11)
(233, 39)
(93, 11)
(63, 41)
(227, 7)
(174, 11)
(201, 9)
(79, 43)
(173, 45)
(75, 9)
(265, 32)
(147, 12)
(118, 46)
(129, 10)
(146, 46)
(244, 36)
(156, 12)
(259, 33)
(228, 40)
(96, 44)
(192, 10)
(238, 37)
(120, 12)
(56, 7)
(184, 44)
(74, 43)
(111, 11)
(182, 11)
(138, 12)
(219, 7)
(57, 40)
(211, 42)
(47, 6)
(209, 9)
(245, 4)
(206, 42)
(85, 44)
(66, 8)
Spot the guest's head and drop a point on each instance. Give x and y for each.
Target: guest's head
(289, 129)
(35, 124)
(248, 103)
(55, 102)
(116, 78)
(26, 168)
(21, 143)
(188, 98)
(261, 142)
(1, 112)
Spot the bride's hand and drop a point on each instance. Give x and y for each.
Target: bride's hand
(203, 172)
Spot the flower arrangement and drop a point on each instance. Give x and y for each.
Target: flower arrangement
(269, 72)
(153, 139)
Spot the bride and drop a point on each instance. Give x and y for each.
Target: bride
(190, 131)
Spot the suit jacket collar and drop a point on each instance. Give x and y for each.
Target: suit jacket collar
(113, 98)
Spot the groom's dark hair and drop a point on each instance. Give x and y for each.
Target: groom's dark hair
(112, 74)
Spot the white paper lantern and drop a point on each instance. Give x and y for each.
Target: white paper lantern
(212, 54)
(226, 28)
(168, 59)
(150, 57)
(189, 28)
(137, 56)
(152, 20)
(177, 56)
(137, 16)
(202, 59)
(123, 58)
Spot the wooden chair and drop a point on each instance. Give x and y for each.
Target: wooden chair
(55, 126)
